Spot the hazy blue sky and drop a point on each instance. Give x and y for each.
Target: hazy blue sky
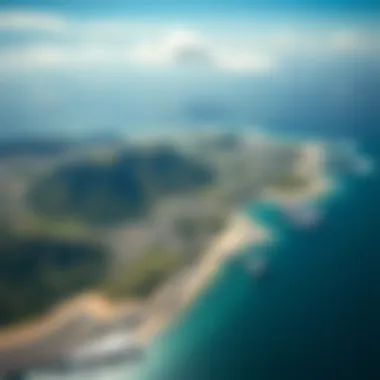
(165, 6)
(75, 65)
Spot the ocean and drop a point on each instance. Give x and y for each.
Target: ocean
(316, 316)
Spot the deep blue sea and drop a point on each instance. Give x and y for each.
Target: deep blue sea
(315, 317)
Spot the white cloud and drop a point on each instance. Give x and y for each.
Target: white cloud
(115, 41)
(182, 38)
(26, 21)
(257, 62)
(51, 56)
(122, 42)
(188, 48)
(31, 57)
(178, 47)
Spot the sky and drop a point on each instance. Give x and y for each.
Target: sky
(81, 63)
(194, 6)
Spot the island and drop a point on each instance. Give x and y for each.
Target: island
(119, 237)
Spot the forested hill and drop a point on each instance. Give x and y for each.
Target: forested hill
(119, 187)
(37, 272)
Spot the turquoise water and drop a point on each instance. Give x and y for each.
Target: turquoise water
(314, 317)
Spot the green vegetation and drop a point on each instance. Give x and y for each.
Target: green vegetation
(125, 188)
(189, 228)
(63, 228)
(290, 182)
(37, 272)
(142, 275)
(70, 205)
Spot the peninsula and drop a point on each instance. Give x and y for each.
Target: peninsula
(119, 238)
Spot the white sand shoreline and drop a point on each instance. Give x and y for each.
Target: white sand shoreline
(241, 232)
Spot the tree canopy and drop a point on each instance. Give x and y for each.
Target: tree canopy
(37, 272)
(124, 187)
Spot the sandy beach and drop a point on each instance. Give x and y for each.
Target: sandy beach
(67, 326)
(88, 306)
(240, 232)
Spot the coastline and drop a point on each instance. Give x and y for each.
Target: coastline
(90, 311)
(78, 318)
(87, 306)
(67, 326)
(241, 232)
